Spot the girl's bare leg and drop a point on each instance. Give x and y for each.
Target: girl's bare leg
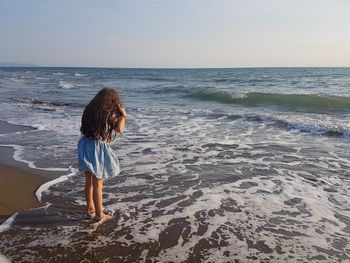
(89, 192)
(97, 197)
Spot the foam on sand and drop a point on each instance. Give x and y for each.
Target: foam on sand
(17, 155)
(7, 224)
(4, 259)
(44, 188)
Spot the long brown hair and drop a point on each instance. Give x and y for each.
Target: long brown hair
(101, 116)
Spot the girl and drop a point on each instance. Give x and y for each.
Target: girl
(103, 118)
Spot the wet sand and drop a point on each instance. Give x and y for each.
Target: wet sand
(17, 188)
(18, 182)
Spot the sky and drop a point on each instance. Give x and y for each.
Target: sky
(176, 33)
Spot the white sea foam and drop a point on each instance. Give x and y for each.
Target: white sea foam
(59, 73)
(310, 122)
(44, 188)
(18, 153)
(66, 85)
(79, 75)
(29, 115)
(20, 80)
(254, 205)
(7, 224)
(4, 259)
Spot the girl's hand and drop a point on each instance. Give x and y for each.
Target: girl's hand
(121, 121)
(122, 110)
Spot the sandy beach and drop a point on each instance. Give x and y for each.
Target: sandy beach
(17, 189)
(18, 182)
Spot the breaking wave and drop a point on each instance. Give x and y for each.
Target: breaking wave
(66, 85)
(295, 101)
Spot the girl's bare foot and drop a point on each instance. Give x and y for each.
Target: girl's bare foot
(90, 211)
(90, 214)
(100, 219)
(103, 217)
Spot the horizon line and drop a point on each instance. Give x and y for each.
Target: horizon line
(103, 67)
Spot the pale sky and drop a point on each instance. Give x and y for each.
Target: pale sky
(176, 33)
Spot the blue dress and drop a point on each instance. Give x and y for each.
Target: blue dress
(97, 157)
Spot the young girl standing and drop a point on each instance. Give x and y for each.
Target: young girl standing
(103, 118)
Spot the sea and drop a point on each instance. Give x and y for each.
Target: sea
(217, 165)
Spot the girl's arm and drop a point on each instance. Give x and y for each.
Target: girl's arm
(121, 120)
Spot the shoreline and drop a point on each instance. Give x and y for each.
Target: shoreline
(18, 182)
(17, 190)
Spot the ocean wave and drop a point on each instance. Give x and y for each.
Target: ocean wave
(79, 75)
(37, 101)
(155, 79)
(295, 101)
(66, 85)
(227, 80)
(20, 80)
(56, 103)
(59, 73)
(170, 90)
(315, 128)
(313, 124)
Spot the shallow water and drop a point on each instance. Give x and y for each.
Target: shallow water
(203, 179)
